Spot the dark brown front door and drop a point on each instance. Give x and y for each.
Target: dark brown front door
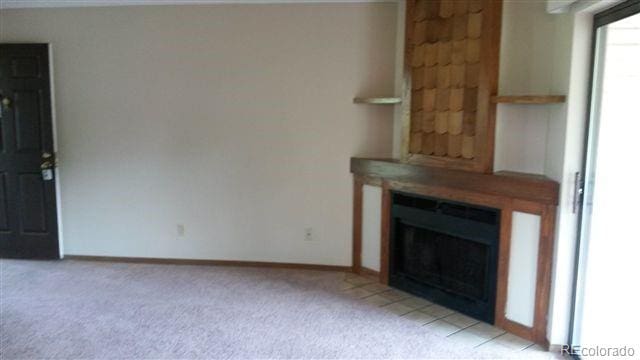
(28, 221)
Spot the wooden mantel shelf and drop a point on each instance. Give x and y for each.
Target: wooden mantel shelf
(539, 189)
(529, 99)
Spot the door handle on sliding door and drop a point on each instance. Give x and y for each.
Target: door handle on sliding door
(578, 190)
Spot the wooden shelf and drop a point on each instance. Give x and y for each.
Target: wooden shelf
(529, 99)
(378, 100)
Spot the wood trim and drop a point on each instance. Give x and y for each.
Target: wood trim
(408, 33)
(238, 263)
(528, 207)
(543, 281)
(488, 85)
(406, 91)
(372, 181)
(518, 329)
(385, 224)
(365, 271)
(537, 189)
(441, 161)
(356, 261)
(504, 252)
(405, 116)
(538, 332)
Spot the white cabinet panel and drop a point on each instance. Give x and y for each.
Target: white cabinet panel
(371, 216)
(523, 267)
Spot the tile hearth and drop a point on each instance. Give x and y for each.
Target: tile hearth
(460, 329)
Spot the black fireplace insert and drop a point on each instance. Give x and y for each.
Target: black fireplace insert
(446, 252)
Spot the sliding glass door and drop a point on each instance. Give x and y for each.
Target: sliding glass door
(607, 296)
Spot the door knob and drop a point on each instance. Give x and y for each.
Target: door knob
(48, 163)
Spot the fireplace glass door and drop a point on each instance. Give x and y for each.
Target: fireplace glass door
(445, 252)
(443, 261)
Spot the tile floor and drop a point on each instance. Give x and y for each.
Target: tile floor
(449, 324)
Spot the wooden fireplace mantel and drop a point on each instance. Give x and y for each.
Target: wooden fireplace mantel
(535, 188)
(506, 191)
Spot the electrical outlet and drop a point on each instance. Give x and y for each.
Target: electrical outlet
(308, 234)
(180, 229)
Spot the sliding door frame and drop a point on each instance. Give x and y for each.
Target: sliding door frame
(604, 18)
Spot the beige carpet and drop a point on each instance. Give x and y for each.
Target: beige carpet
(94, 310)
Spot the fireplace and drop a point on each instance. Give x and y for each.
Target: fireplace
(445, 252)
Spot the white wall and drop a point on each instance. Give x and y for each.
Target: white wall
(233, 120)
(566, 143)
(531, 63)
